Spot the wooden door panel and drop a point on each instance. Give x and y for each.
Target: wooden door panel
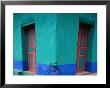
(82, 47)
(31, 50)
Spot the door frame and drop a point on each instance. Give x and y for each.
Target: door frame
(78, 51)
(24, 28)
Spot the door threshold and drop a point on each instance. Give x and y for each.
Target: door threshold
(83, 73)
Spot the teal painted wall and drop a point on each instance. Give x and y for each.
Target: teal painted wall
(56, 37)
(17, 39)
(67, 37)
(45, 26)
(46, 44)
(92, 40)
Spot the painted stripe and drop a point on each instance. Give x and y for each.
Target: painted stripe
(91, 66)
(42, 69)
(25, 65)
(66, 69)
(20, 65)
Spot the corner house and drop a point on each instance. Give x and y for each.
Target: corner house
(54, 43)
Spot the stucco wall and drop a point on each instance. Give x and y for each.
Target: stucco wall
(56, 38)
(67, 38)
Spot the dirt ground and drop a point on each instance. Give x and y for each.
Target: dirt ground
(86, 73)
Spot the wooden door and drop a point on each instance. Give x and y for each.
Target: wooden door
(31, 49)
(82, 47)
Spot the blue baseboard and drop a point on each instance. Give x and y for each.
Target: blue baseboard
(66, 69)
(42, 69)
(20, 65)
(91, 66)
(17, 65)
(25, 65)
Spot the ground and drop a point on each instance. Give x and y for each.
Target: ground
(86, 73)
(30, 73)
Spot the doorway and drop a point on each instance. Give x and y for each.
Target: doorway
(29, 42)
(82, 46)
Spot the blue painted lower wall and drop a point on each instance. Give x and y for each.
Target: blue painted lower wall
(25, 65)
(42, 69)
(91, 66)
(20, 65)
(67, 69)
